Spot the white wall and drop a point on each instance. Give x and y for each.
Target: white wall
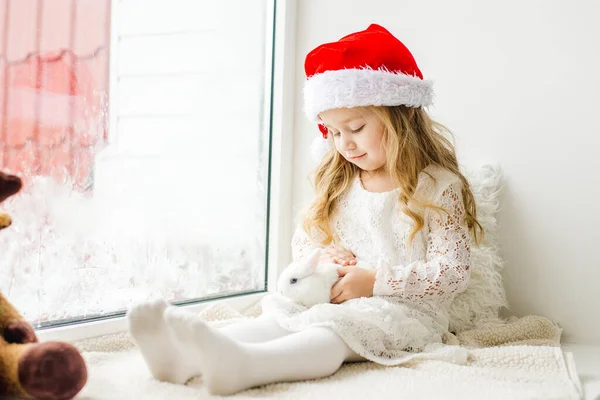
(517, 82)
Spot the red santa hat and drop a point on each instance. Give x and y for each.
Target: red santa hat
(366, 68)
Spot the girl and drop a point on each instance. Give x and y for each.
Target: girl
(388, 192)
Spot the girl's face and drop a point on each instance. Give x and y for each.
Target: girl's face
(358, 136)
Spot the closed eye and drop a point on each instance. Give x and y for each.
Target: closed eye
(358, 130)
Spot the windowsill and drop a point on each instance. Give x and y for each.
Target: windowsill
(587, 362)
(587, 357)
(87, 330)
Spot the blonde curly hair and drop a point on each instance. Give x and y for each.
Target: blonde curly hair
(412, 141)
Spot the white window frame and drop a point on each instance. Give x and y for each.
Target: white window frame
(280, 215)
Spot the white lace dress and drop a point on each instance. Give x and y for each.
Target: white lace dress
(416, 283)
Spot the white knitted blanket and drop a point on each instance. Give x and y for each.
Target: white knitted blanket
(117, 371)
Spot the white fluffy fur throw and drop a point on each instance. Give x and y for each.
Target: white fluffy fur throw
(117, 370)
(479, 305)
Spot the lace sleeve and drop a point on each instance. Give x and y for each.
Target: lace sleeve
(302, 244)
(446, 268)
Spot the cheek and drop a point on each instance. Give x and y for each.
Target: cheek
(374, 146)
(338, 146)
(377, 152)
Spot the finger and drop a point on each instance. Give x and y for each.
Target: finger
(338, 299)
(336, 290)
(347, 260)
(341, 298)
(342, 271)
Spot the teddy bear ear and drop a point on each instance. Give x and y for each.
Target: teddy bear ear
(19, 332)
(9, 185)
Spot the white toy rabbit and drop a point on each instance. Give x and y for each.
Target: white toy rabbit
(308, 282)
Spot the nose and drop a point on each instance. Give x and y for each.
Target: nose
(347, 144)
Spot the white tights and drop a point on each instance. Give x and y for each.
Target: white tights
(178, 345)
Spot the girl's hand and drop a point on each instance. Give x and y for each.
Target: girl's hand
(334, 253)
(355, 282)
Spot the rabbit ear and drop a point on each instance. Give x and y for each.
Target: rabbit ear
(313, 260)
(314, 256)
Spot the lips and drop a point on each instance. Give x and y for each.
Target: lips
(357, 157)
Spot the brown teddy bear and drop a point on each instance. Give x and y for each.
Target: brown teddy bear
(50, 370)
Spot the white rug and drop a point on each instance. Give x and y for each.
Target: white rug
(512, 372)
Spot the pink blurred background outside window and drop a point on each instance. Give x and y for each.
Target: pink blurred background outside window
(54, 58)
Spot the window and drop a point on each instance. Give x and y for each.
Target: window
(142, 131)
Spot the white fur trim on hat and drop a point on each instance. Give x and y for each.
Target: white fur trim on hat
(349, 88)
